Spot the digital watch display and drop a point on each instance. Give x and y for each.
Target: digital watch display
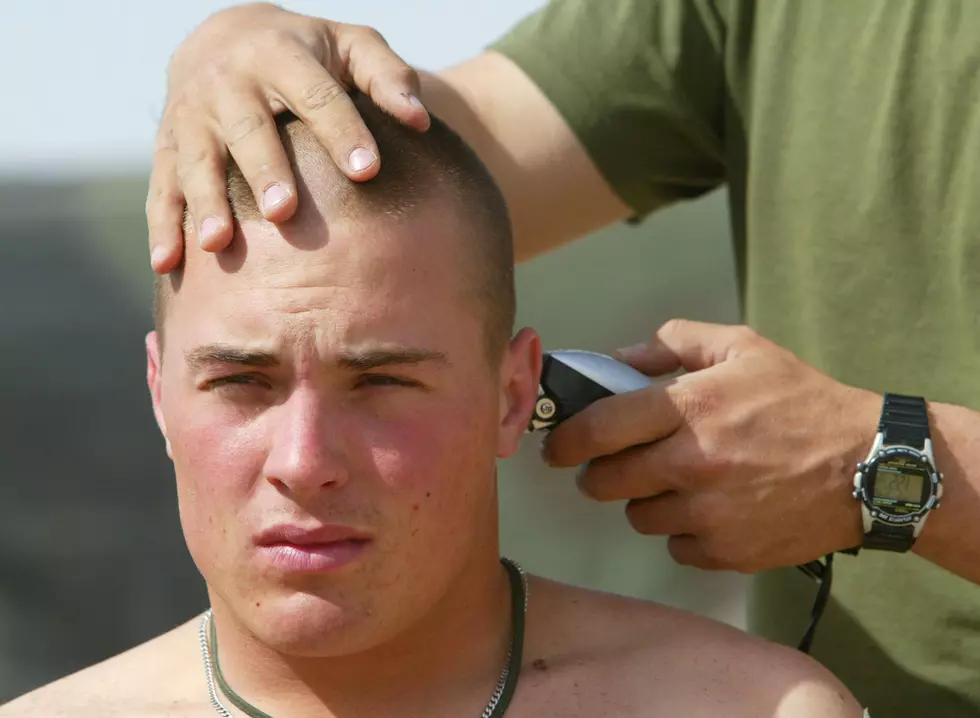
(899, 485)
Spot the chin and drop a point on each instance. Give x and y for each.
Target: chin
(310, 626)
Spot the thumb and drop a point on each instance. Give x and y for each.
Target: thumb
(683, 344)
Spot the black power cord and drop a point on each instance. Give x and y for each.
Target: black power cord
(822, 573)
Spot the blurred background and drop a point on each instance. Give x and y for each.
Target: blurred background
(92, 560)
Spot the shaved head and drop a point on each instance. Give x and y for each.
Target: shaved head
(418, 171)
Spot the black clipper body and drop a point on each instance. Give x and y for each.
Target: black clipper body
(571, 379)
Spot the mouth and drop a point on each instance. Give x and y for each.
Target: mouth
(320, 549)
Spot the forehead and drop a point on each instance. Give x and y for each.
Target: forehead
(337, 279)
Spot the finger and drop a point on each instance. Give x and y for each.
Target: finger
(165, 209)
(201, 168)
(685, 344)
(635, 473)
(313, 95)
(376, 70)
(664, 515)
(254, 142)
(611, 425)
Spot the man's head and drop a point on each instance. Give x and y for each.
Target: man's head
(348, 377)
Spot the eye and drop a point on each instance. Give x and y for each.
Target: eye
(385, 380)
(235, 380)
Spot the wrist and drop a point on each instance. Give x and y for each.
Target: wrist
(863, 410)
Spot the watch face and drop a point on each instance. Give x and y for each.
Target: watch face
(900, 485)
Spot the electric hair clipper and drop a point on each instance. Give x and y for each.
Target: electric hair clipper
(571, 379)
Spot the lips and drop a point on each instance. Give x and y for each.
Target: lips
(310, 550)
(293, 535)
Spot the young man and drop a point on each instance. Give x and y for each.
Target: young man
(334, 393)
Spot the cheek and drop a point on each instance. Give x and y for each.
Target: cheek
(439, 460)
(215, 460)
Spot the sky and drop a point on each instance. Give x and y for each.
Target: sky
(84, 81)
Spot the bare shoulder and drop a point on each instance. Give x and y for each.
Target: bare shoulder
(155, 678)
(647, 659)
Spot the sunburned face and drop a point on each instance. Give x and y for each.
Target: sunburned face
(334, 424)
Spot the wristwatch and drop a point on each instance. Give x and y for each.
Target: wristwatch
(898, 484)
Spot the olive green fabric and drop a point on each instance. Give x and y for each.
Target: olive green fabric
(848, 134)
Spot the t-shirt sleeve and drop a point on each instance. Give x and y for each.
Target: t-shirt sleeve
(641, 83)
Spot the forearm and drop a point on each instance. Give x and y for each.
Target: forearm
(951, 537)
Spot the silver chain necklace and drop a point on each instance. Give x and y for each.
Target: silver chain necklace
(225, 713)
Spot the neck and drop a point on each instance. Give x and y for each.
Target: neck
(447, 663)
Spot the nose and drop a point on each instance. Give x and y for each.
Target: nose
(308, 453)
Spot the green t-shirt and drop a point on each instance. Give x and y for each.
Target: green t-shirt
(848, 134)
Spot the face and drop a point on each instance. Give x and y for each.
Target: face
(334, 423)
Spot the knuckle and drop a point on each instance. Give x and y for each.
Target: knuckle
(718, 555)
(339, 130)
(212, 75)
(196, 166)
(191, 161)
(245, 127)
(165, 141)
(369, 34)
(674, 326)
(598, 431)
(699, 403)
(161, 202)
(183, 114)
(215, 70)
(271, 42)
(746, 334)
(710, 462)
(314, 35)
(320, 95)
(404, 75)
(267, 40)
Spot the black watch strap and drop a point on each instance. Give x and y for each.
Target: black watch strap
(889, 538)
(904, 420)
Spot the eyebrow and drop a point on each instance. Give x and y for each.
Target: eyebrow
(226, 354)
(353, 360)
(362, 360)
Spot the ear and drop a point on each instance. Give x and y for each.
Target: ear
(154, 369)
(520, 375)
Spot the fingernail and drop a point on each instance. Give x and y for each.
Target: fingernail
(158, 255)
(273, 196)
(208, 227)
(631, 352)
(545, 456)
(360, 159)
(581, 477)
(413, 100)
